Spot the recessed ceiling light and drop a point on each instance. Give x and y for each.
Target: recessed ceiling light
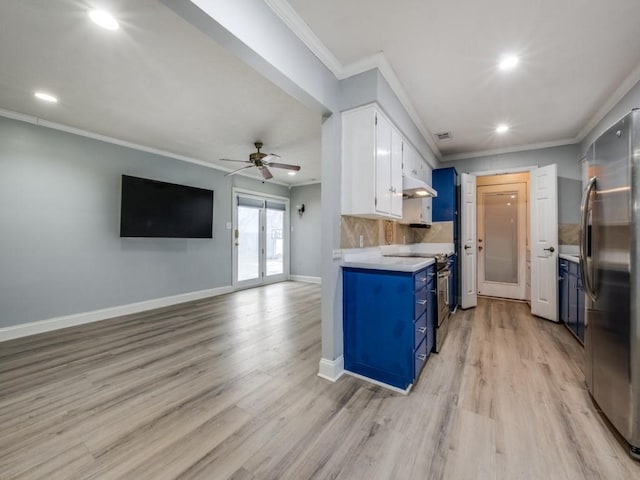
(104, 19)
(45, 97)
(508, 62)
(292, 173)
(502, 128)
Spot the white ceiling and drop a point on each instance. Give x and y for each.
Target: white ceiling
(156, 82)
(575, 54)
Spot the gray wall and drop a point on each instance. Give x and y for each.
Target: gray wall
(306, 231)
(569, 176)
(60, 208)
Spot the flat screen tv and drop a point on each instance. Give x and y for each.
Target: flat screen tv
(150, 208)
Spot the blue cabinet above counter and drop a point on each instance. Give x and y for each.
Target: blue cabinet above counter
(389, 323)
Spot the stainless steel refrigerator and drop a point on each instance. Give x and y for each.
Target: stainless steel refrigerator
(610, 261)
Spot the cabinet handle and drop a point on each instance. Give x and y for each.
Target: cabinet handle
(422, 279)
(422, 329)
(422, 302)
(422, 356)
(434, 291)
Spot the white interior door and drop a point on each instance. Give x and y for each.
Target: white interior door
(260, 240)
(468, 260)
(544, 242)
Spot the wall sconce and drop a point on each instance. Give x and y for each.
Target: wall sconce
(300, 209)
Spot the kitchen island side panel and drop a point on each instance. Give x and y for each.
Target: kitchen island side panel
(378, 325)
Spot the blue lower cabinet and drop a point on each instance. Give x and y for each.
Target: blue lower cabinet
(563, 290)
(387, 317)
(580, 310)
(571, 298)
(420, 357)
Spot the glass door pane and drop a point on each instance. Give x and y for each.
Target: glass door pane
(248, 240)
(501, 237)
(274, 237)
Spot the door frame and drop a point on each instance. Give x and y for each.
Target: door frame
(263, 280)
(483, 173)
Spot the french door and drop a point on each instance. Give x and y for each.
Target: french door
(260, 239)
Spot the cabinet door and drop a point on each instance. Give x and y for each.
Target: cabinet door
(383, 165)
(564, 296)
(408, 160)
(395, 173)
(572, 314)
(426, 210)
(580, 310)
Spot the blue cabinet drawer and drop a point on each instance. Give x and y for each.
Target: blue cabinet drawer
(421, 303)
(420, 358)
(420, 330)
(420, 279)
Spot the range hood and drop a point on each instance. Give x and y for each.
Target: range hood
(415, 188)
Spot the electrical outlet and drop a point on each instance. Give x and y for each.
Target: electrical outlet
(361, 241)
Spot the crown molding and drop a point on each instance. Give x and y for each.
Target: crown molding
(303, 184)
(297, 25)
(499, 151)
(116, 141)
(612, 101)
(301, 29)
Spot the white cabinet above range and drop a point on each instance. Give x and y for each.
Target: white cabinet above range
(379, 166)
(371, 164)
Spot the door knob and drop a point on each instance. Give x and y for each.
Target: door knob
(550, 249)
(467, 247)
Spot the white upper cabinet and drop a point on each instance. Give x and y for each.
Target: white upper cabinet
(371, 164)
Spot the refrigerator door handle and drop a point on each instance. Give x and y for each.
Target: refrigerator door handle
(587, 281)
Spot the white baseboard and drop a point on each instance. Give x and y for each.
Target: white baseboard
(331, 370)
(305, 279)
(41, 326)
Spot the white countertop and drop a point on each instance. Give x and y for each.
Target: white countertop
(374, 258)
(398, 264)
(569, 257)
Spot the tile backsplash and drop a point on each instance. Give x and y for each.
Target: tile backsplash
(568, 233)
(387, 232)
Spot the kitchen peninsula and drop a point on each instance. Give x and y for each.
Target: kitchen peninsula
(390, 311)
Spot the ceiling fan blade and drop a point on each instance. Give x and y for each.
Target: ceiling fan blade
(238, 170)
(239, 161)
(284, 165)
(269, 157)
(266, 174)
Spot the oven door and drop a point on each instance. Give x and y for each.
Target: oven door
(443, 295)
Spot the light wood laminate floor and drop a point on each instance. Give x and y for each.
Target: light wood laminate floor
(227, 388)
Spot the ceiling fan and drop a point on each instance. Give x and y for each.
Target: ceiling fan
(261, 161)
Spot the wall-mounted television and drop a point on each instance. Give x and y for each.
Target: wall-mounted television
(150, 208)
